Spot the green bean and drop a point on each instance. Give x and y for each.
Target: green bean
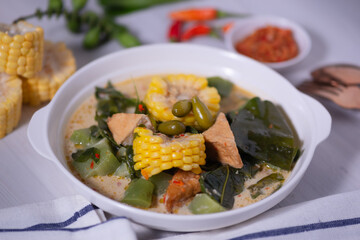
(173, 127)
(73, 22)
(54, 6)
(181, 108)
(90, 18)
(139, 193)
(126, 39)
(201, 113)
(92, 38)
(78, 4)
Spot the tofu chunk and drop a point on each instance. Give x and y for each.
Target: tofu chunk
(183, 186)
(220, 143)
(122, 126)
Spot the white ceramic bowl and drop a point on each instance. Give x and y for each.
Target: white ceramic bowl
(310, 119)
(246, 26)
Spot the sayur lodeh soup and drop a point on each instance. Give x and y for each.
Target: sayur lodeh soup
(180, 144)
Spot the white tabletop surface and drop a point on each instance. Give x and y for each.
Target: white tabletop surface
(334, 27)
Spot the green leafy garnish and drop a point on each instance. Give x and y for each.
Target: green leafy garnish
(84, 155)
(223, 184)
(256, 189)
(262, 132)
(125, 154)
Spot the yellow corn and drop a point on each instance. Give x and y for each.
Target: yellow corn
(164, 92)
(10, 103)
(156, 153)
(21, 49)
(59, 65)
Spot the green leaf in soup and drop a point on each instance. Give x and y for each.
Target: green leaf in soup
(223, 184)
(223, 86)
(256, 189)
(84, 155)
(261, 130)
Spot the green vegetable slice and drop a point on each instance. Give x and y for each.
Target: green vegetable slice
(223, 184)
(105, 164)
(223, 86)
(85, 137)
(161, 182)
(139, 193)
(203, 203)
(122, 171)
(256, 189)
(262, 132)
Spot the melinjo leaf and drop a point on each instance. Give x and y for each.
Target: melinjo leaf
(262, 131)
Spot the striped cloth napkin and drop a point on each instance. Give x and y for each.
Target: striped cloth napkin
(332, 217)
(65, 218)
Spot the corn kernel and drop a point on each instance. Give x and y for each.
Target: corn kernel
(165, 158)
(6, 39)
(19, 38)
(4, 47)
(29, 36)
(165, 166)
(3, 55)
(165, 150)
(186, 167)
(176, 155)
(175, 146)
(188, 152)
(177, 163)
(187, 160)
(155, 162)
(20, 70)
(195, 150)
(155, 171)
(156, 139)
(155, 155)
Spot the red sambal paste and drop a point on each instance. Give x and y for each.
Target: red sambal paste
(269, 44)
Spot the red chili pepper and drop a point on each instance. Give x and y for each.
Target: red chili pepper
(97, 155)
(201, 14)
(92, 164)
(141, 108)
(174, 33)
(197, 30)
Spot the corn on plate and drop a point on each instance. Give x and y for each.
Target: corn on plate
(10, 103)
(21, 49)
(59, 65)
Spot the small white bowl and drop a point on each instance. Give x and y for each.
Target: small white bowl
(247, 26)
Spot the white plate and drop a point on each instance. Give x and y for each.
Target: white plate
(244, 27)
(310, 119)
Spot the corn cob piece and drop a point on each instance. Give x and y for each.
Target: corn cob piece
(21, 49)
(164, 92)
(59, 65)
(156, 153)
(10, 103)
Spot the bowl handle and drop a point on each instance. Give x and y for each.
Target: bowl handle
(37, 133)
(322, 118)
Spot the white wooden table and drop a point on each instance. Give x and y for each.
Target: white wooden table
(334, 27)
